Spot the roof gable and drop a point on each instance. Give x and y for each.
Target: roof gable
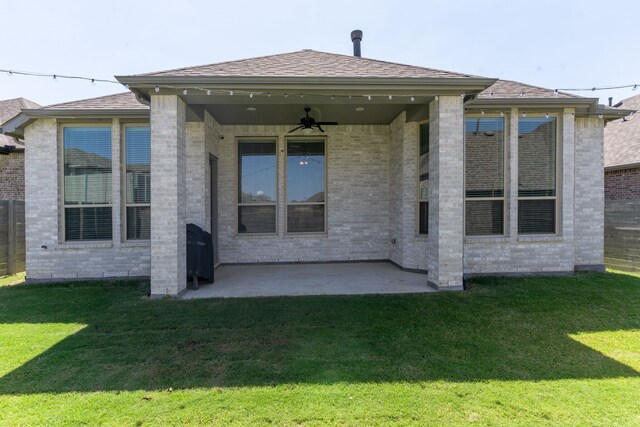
(308, 63)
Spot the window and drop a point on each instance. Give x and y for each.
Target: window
(484, 140)
(423, 176)
(138, 182)
(256, 186)
(305, 186)
(87, 183)
(537, 195)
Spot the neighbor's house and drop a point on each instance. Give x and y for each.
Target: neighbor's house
(622, 189)
(442, 172)
(12, 152)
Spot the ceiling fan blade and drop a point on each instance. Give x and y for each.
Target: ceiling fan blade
(318, 126)
(295, 129)
(326, 123)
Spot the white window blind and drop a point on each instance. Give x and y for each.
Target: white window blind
(537, 195)
(138, 182)
(257, 186)
(87, 183)
(484, 175)
(305, 186)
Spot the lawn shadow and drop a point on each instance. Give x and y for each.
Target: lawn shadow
(501, 329)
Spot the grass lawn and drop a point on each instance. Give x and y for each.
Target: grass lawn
(533, 351)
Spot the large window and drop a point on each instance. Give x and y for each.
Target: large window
(484, 140)
(305, 186)
(257, 186)
(423, 186)
(87, 183)
(537, 196)
(138, 182)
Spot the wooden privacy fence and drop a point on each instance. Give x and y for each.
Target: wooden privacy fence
(12, 248)
(622, 234)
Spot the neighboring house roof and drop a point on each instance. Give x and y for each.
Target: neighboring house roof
(309, 63)
(10, 108)
(622, 138)
(119, 101)
(75, 156)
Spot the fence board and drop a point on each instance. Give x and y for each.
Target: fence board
(622, 234)
(12, 237)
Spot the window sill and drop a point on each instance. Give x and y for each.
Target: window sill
(486, 239)
(321, 235)
(255, 236)
(135, 244)
(541, 238)
(421, 237)
(85, 245)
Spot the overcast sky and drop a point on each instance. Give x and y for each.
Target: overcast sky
(554, 44)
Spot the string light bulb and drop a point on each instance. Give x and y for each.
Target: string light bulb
(390, 97)
(250, 94)
(208, 92)
(231, 93)
(369, 97)
(546, 115)
(412, 99)
(437, 97)
(524, 114)
(482, 112)
(184, 92)
(501, 113)
(157, 89)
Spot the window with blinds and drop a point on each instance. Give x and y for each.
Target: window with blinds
(484, 140)
(306, 186)
(537, 195)
(423, 177)
(87, 183)
(257, 188)
(138, 182)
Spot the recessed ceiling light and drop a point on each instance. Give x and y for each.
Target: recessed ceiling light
(359, 108)
(251, 108)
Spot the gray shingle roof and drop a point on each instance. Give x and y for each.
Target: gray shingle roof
(119, 101)
(509, 89)
(309, 63)
(622, 138)
(10, 108)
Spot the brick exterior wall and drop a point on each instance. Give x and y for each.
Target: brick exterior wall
(622, 184)
(47, 256)
(371, 200)
(12, 176)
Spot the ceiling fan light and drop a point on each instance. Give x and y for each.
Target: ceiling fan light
(307, 131)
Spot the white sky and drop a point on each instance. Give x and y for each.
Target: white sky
(554, 44)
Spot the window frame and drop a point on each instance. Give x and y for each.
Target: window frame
(238, 140)
(505, 175)
(286, 189)
(417, 182)
(62, 217)
(123, 181)
(558, 178)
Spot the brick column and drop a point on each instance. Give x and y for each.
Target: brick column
(589, 194)
(446, 192)
(168, 196)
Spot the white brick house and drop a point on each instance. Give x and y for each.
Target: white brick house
(446, 173)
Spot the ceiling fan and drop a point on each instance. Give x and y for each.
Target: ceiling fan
(308, 123)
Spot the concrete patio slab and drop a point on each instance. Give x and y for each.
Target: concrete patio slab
(233, 281)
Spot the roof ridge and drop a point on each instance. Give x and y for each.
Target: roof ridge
(394, 63)
(356, 58)
(86, 99)
(219, 63)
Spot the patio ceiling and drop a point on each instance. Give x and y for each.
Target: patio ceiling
(277, 110)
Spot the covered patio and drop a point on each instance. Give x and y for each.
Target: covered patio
(357, 278)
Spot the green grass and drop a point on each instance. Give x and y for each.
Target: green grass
(13, 279)
(534, 351)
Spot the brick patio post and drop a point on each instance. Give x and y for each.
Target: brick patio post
(446, 192)
(168, 196)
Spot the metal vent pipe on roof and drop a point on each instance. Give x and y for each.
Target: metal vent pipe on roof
(356, 38)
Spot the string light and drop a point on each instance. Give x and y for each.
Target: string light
(437, 97)
(157, 88)
(501, 113)
(369, 97)
(390, 97)
(412, 99)
(208, 92)
(524, 114)
(482, 112)
(251, 95)
(546, 115)
(556, 92)
(184, 92)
